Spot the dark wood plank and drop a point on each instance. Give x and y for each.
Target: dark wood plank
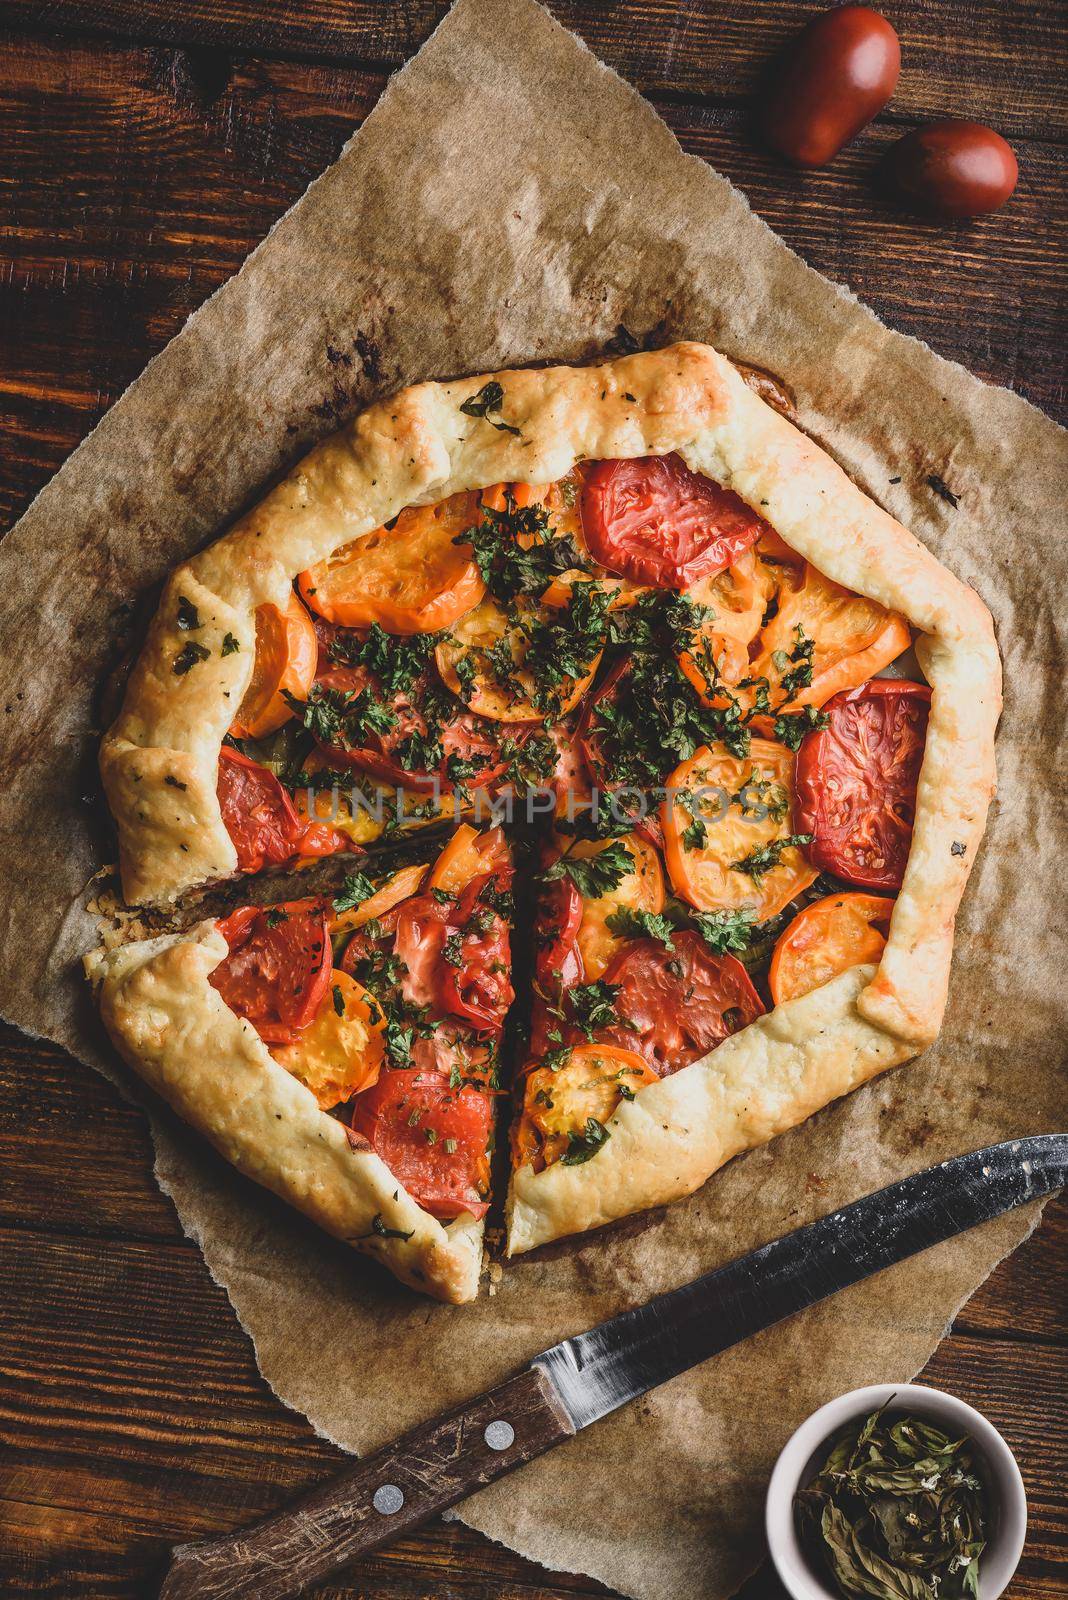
(126, 1427)
(960, 58)
(133, 197)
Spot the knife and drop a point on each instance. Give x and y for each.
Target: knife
(584, 1378)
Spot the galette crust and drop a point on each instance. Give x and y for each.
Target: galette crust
(168, 1023)
(675, 1134)
(159, 760)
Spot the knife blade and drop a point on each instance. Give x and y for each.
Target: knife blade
(586, 1377)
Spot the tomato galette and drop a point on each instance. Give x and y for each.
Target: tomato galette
(633, 617)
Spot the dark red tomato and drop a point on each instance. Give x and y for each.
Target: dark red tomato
(952, 169)
(681, 1003)
(470, 739)
(447, 1174)
(278, 969)
(260, 818)
(855, 782)
(558, 960)
(479, 988)
(257, 812)
(835, 77)
(422, 928)
(654, 521)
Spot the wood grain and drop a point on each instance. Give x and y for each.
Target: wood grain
(145, 147)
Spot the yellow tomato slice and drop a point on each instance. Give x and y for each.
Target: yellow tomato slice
(723, 810)
(341, 1050)
(559, 1103)
(468, 854)
(286, 655)
(854, 638)
(640, 890)
(360, 824)
(467, 667)
(410, 578)
(401, 886)
(739, 597)
(828, 937)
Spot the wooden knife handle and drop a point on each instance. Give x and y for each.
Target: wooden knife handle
(383, 1496)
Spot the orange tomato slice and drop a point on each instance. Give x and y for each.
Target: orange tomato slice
(401, 886)
(409, 578)
(487, 628)
(468, 854)
(854, 637)
(722, 810)
(286, 656)
(340, 1052)
(828, 937)
(739, 597)
(558, 1103)
(640, 890)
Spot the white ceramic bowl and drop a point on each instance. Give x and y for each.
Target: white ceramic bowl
(803, 1454)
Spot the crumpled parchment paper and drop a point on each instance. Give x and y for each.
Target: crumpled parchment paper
(511, 200)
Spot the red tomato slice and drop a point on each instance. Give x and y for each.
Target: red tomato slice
(598, 758)
(278, 969)
(469, 738)
(260, 817)
(258, 813)
(422, 928)
(448, 1173)
(558, 962)
(654, 521)
(480, 989)
(681, 1003)
(856, 782)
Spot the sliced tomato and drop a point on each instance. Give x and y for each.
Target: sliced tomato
(828, 937)
(258, 814)
(261, 819)
(641, 890)
(278, 969)
(558, 961)
(475, 752)
(654, 521)
(469, 855)
(422, 928)
(680, 1003)
(558, 1102)
(478, 984)
(411, 577)
(287, 651)
(434, 1140)
(856, 781)
(723, 811)
(341, 1050)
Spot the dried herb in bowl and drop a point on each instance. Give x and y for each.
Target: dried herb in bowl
(898, 1510)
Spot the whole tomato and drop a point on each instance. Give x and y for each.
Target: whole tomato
(838, 75)
(952, 169)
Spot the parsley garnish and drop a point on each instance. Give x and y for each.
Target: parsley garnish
(593, 1006)
(188, 615)
(230, 645)
(378, 1227)
(339, 1000)
(188, 656)
(582, 1146)
(630, 924)
(355, 889)
(759, 862)
(593, 875)
(725, 930)
(488, 399)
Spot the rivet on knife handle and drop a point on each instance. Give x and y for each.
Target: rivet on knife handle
(425, 1472)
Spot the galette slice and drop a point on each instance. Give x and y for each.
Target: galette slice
(343, 1053)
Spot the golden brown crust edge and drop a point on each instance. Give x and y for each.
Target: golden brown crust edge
(176, 1031)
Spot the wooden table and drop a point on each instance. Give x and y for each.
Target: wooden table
(145, 147)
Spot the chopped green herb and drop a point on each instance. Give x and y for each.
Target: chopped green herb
(230, 645)
(488, 399)
(188, 616)
(725, 930)
(355, 889)
(339, 1000)
(583, 1146)
(759, 862)
(593, 875)
(630, 924)
(188, 656)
